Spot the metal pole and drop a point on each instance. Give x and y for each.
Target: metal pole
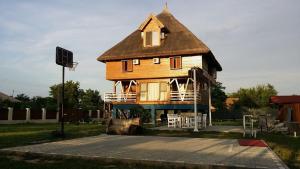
(62, 101)
(209, 103)
(195, 101)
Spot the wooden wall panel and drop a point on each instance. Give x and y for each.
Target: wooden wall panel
(283, 112)
(147, 69)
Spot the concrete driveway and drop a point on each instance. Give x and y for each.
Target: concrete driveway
(201, 152)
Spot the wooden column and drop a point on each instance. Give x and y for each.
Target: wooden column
(195, 101)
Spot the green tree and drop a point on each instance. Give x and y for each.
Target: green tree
(255, 97)
(218, 97)
(72, 92)
(23, 97)
(90, 99)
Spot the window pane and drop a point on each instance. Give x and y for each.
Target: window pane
(163, 96)
(143, 87)
(143, 96)
(155, 39)
(163, 87)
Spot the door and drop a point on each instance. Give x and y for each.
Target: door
(153, 91)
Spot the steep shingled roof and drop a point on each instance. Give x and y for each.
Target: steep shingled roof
(179, 41)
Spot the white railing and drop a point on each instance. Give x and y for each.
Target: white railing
(184, 96)
(119, 97)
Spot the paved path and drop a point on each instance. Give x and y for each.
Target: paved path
(174, 150)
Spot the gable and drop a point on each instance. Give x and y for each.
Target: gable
(151, 21)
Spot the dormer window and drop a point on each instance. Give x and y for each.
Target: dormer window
(152, 38)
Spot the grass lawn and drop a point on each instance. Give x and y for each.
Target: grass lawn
(286, 147)
(23, 134)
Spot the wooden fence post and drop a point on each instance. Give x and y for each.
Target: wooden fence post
(10, 113)
(90, 113)
(44, 113)
(98, 114)
(27, 114)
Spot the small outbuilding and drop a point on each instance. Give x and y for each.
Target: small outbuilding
(288, 107)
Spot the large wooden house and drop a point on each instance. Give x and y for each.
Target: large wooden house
(151, 69)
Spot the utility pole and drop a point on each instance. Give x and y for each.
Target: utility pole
(62, 102)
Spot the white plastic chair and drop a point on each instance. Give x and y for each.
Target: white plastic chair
(172, 120)
(204, 117)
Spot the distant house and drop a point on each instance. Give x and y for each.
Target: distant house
(289, 107)
(151, 68)
(6, 97)
(229, 102)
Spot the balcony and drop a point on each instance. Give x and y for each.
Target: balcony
(132, 97)
(184, 96)
(122, 97)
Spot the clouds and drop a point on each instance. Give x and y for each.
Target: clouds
(255, 41)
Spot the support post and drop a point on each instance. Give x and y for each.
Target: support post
(62, 102)
(153, 116)
(10, 114)
(209, 103)
(195, 101)
(114, 113)
(27, 114)
(43, 114)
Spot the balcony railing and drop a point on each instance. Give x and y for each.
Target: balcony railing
(131, 97)
(184, 96)
(120, 97)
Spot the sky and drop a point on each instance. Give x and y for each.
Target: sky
(256, 42)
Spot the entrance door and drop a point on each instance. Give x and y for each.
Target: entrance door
(153, 91)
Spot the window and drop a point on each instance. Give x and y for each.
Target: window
(127, 66)
(153, 91)
(175, 62)
(152, 38)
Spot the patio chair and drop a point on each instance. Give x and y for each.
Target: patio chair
(185, 122)
(204, 116)
(172, 120)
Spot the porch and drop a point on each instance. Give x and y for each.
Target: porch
(157, 90)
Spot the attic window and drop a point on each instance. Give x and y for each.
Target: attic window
(152, 39)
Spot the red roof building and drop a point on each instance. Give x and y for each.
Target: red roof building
(289, 107)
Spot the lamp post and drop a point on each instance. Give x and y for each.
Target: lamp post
(195, 101)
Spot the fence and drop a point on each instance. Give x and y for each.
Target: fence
(226, 116)
(11, 116)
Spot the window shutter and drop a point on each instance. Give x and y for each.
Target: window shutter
(148, 38)
(178, 62)
(172, 66)
(123, 65)
(129, 66)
